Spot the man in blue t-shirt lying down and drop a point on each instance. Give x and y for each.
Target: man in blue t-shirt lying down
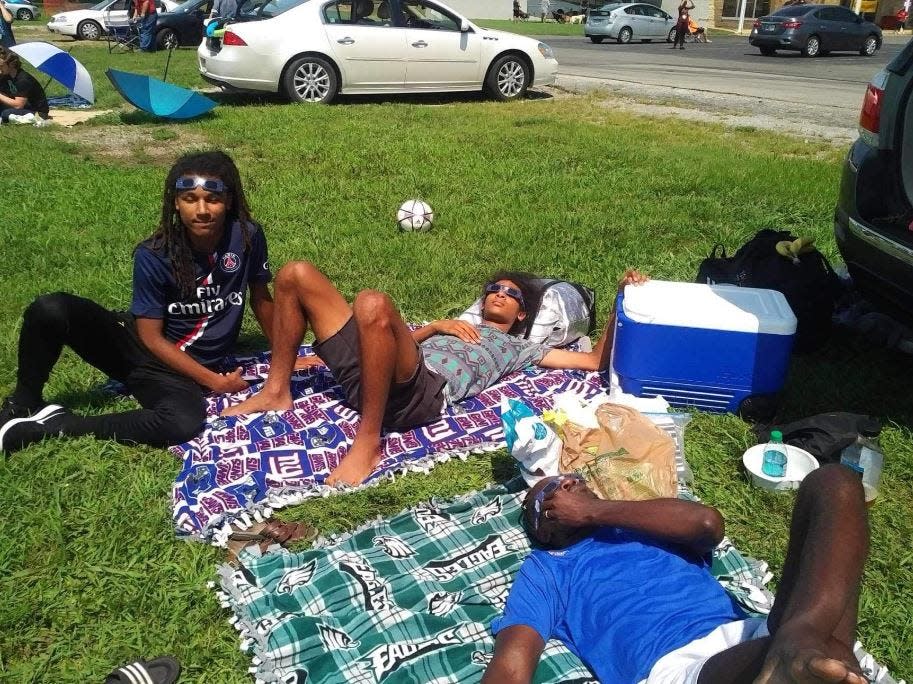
(400, 378)
(624, 585)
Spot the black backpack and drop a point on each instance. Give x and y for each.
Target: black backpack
(823, 436)
(810, 286)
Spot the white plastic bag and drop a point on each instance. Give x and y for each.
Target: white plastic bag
(529, 440)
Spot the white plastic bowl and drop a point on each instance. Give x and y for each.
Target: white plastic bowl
(799, 463)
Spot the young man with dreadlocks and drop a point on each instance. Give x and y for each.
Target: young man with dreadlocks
(190, 283)
(398, 378)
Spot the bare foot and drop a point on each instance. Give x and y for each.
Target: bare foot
(357, 464)
(261, 402)
(804, 659)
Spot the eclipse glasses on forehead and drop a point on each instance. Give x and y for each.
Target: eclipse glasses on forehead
(511, 292)
(208, 184)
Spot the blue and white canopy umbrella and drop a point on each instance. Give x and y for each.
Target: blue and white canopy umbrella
(59, 65)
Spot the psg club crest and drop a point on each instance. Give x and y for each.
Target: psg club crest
(231, 262)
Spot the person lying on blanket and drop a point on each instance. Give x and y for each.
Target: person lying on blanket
(399, 378)
(190, 283)
(625, 587)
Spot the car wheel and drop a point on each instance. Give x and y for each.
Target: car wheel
(89, 30)
(597, 39)
(671, 37)
(870, 46)
(624, 36)
(24, 15)
(310, 79)
(166, 39)
(768, 51)
(508, 78)
(812, 47)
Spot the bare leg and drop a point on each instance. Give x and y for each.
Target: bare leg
(813, 621)
(302, 295)
(388, 355)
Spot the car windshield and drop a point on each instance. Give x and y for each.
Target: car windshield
(267, 8)
(798, 11)
(607, 9)
(102, 5)
(189, 6)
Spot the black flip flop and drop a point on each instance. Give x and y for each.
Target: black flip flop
(164, 670)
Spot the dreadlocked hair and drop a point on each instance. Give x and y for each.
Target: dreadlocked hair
(532, 296)
(171, 234)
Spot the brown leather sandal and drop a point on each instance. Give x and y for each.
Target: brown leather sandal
(266, 534)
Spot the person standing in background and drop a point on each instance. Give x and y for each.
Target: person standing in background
(681, 27)
(145, 16)
(6, 29)
(544, 7)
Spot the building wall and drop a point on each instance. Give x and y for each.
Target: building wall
(703, 11)
(483, 9)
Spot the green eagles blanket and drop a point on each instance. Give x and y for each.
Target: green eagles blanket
(407, 600)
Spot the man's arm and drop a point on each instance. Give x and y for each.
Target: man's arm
(150, 334)
(261, 303)
(5, 13)
(14, 102)
(462, 329)
(599, 358)
(687, 523)
(517, 652)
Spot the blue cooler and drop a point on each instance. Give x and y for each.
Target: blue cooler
(709, 346)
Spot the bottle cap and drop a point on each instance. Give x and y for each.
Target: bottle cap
(776, 436)
(869, 427)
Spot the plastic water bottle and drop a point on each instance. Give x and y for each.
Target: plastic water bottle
(774, 464)
(864, 456)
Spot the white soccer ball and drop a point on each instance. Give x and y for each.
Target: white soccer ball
(415, 215)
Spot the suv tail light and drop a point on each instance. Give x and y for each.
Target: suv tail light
(756, 24)
(232, 38)
(870, 116)
(794, 24)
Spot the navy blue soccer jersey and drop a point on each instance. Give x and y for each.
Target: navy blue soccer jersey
(206, 323)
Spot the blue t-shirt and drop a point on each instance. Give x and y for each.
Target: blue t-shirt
(6, 34)
(618, 600)
(470, 369)
(205, 324)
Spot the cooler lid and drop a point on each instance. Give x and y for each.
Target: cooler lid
(714, 307)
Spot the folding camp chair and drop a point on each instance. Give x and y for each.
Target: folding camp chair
(121, 34)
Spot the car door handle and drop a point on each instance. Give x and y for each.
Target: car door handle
(346, 41)
(420, 44)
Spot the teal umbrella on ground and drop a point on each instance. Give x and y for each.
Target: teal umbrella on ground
(158, 97)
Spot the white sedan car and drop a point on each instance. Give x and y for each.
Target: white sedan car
(312, 50)
(91, 23)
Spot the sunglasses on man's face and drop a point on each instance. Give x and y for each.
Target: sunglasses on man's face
(545, 491)
(185, 183)
(511, 292)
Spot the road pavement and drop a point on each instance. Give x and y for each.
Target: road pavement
(727, 66)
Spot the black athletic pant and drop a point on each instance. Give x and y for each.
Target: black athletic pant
(680, 30)
(173, 406)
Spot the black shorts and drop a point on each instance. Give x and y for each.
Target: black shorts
(418, 400)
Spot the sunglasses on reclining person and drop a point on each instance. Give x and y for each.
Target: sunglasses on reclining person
(208, 184)
(545, 491)
(511, 292)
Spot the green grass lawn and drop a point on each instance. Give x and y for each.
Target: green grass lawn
(90, 572)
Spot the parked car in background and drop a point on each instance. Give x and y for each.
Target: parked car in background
(23, 11)
(625, 22)
(311, 51)
(872, 220)
(91, 23)
(815, 30)
(183, 25)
